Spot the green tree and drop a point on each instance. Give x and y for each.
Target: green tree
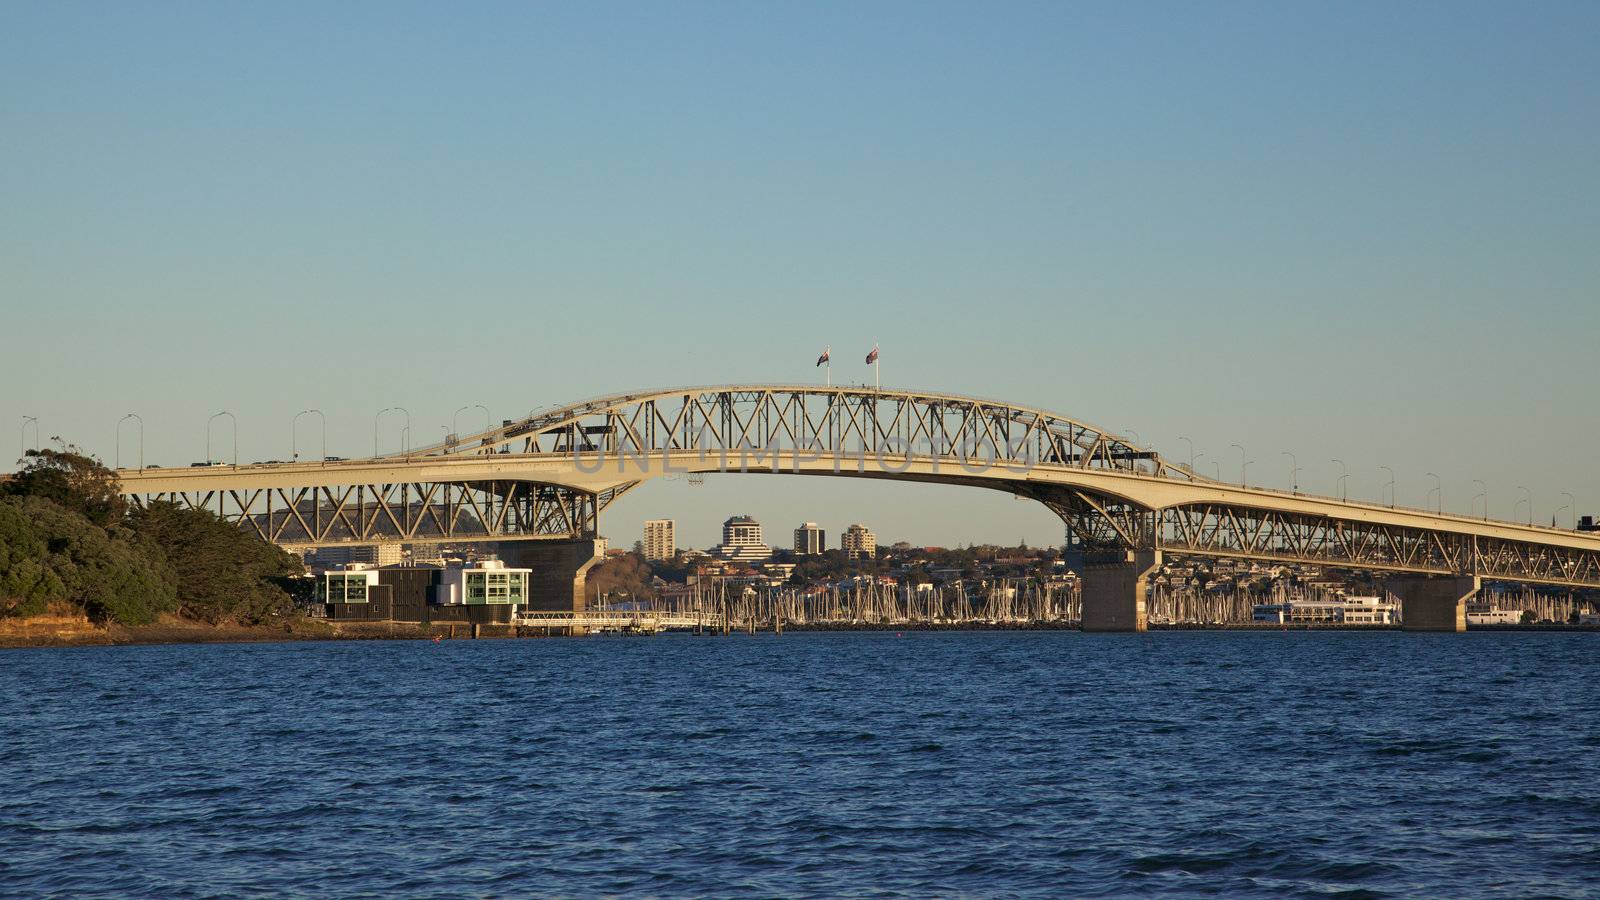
(72, 479)
(220, 572)
(27, 585)
(113, 573)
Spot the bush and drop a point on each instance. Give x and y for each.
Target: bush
(27, 585)
(111, 572)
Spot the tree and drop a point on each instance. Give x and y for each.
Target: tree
(73, 480)
(112, 573)
(219, 571)
(27, 585)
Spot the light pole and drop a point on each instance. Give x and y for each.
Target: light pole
(488, 421)
(403, 432)
(27, 420)
(135, 417)
(1294, 472)
(1135, 434)
(1191, 451)
(1243, 465)
(1572, 504)
(1527, 498)
(1390, 486)
(1196, 458)
(1483, 492)
(235, 421)
(294, 437)
(1344, 473)
(1216, 470)
(1438, 488)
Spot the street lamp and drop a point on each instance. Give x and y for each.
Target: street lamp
(1483, 492)
(406, 430)
(1572, 504)
(135, 417)
(1135, 434)
(1216, 470)
(1390, 485)
(235, 421)
(1345, 473)
(1438, 488)
(1528, 498)
(26, 420)
(1191, 451)
(1294, 472)
(488, 422)
(1243, 465)
(294, 439)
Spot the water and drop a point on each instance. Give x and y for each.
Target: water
(977, 763)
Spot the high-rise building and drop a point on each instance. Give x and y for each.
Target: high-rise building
(660, 539)
(741, 540)
(810, 539)
(858, 541)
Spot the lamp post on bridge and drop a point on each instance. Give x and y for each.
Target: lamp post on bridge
(1244, 466)
(488, 421)
(1294, 472)
(1528, 499)
(1438, 488)
(294, 439)
(23, 448)
(1390, 485)
(135, 417)
(1196, 458)
(1483, 493)
(1572, 504)
(406, 430)
(231, 418)
(1192, 457)
(1339, 484)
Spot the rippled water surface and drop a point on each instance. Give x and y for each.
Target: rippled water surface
(994, 763)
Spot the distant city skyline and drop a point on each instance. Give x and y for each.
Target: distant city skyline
(1281, 227)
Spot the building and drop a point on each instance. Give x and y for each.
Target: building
(660, 539)
(426, 593)
(741, 540)
(859, 542)
(1346, 611)
(385, 554)
(810, 539)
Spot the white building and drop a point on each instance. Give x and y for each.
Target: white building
(741, 541)
(484, 581)
(1348, 611)
(660, 539)
(810, 539)
(858, 541)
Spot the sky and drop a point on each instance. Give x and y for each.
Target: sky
(1354, 231)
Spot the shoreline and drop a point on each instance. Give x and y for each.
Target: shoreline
(64, 633)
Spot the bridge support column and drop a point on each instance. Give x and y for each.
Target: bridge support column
(1434, 604)
(560, 571)
(1114, 593)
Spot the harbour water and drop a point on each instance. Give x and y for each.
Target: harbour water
(1041, 763)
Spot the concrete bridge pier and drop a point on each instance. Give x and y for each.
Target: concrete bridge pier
(1434, 603)
(560, 570)
(1114, 593)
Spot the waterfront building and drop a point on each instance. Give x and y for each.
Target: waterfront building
(741, 541)
(810, 539)
(859, 542)
(660, 539)
(1346, 611)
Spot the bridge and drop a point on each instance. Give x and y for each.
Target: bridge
(541, 482)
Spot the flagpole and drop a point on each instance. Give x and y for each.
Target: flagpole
(875, 354)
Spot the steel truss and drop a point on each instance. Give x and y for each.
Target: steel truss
(831, 421)
(410, 512)
(1226, 530)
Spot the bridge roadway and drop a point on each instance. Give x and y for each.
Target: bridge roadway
(548, 476)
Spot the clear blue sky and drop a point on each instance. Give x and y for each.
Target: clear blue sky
(1357, 230)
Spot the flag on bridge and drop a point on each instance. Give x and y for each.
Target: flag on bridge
(873, 356)
(824, 357)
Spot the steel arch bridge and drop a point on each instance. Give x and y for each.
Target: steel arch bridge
(550, 475)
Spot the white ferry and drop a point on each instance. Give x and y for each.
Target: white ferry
(1344, 611)
(1481, 613)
